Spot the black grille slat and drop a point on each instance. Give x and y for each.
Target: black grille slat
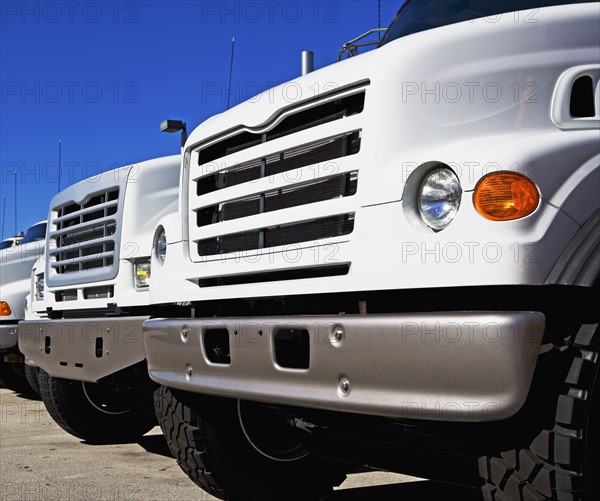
(284, 198)
(317, 192)
(235, 210)
(237, 242)
(317, 115)
(316, 229)
(309, 154)
(329, 151)
(81, 236)
(274, 236)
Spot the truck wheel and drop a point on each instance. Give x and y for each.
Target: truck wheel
(32, 375)
(562, 462)
(13, 376)
(236, 451)
(97, 413)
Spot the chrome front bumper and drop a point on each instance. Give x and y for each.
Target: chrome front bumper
(83, 349)
(459, 366)
(8, 335)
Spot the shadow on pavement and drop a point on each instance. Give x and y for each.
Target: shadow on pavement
(409, 491)
(155, 444)
(29, 395)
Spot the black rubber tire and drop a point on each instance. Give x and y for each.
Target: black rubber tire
(562, 463)
(205, 436)
(13, 376)
(68, 405)
(32, 375)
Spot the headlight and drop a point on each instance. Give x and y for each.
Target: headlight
(439, 198)
(160, 245)
(142, 274)
(39, 287)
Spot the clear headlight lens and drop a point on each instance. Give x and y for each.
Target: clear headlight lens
(160, 246)
(439, 198)
(142, 274)
(39, 287)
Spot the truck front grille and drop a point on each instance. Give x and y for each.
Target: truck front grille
(309, 169)
(83, 236)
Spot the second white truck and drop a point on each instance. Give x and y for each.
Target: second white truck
(92, 287)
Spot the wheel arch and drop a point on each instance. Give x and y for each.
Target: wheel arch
(579, 263)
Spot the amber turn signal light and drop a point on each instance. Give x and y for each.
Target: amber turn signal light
(5, 310)
(503, 196)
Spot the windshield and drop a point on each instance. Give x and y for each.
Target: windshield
(420, 15)
(34, 234)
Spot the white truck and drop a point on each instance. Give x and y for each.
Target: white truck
(11, 242)
(17, 257)
(92, 288)
(397, 269)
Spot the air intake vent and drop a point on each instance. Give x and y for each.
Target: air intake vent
(582, 98)
(576, 99)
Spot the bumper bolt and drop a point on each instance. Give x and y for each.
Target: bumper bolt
(345, 386)
(189, 372)
(184, 334)
(338, 334)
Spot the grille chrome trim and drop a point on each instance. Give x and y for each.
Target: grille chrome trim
(82, 240)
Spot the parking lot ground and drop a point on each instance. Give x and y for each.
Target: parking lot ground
(41, 462)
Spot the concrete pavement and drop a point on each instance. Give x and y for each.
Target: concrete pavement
(41, 462)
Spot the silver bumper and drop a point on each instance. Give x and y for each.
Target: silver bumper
(8, 336)
(459, 366)
(83, 349)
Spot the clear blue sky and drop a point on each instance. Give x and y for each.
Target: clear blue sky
(100, 76)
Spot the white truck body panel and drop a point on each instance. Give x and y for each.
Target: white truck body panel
(476, 107)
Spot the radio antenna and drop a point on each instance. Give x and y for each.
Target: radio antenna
(3, 215)
(379, 19)
(230, 71)
(59, 153)
(16, 204)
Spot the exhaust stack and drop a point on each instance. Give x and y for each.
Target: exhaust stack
(308, 61)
